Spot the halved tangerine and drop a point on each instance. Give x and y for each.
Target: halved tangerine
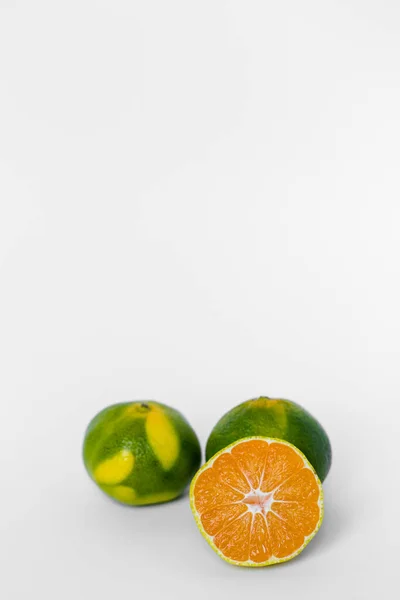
(257, 502)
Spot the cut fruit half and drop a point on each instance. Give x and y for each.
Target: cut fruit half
(257, 502)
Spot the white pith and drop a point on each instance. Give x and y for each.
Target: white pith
(258, 501)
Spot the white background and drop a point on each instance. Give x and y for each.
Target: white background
(200, 204)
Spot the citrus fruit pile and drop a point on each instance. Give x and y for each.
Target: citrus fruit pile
(257, 500)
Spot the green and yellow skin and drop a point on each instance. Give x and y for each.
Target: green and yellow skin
(141, 452)
(275, 418)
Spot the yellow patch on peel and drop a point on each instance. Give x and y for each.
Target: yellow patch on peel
(157, 498)
(162, 438)
(277, 408)
(114, 470)
(123, 493)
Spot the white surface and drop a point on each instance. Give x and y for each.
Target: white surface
(200, 204)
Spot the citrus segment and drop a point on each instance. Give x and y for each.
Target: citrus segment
(281, 462)
(302, 516)
(257, 502)
(251, 460)
(285, 539)
(229, 471)
(214, 492)
(301, 486)
(234, 540)
(260, 543)
(217, 518)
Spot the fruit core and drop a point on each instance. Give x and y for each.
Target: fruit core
(258, 501)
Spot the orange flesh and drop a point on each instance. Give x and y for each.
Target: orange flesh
(258, 501)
